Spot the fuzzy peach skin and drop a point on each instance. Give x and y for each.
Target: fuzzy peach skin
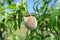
(31, 22)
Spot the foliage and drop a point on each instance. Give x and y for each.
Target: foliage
(48, 17)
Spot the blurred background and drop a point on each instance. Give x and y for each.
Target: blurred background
(12, 13)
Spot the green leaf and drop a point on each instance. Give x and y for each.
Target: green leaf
(15, 25)
(1, 8)
(12, 6)
(9, 1)
(2, 25)
(19, 17)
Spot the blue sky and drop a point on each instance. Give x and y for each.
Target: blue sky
(30, 5)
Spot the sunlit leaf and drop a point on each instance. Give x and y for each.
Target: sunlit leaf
(12, 6)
